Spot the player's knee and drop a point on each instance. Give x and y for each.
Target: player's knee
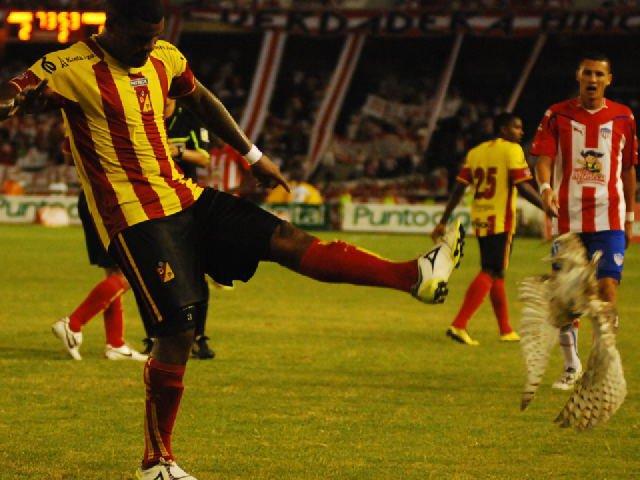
(288, 244)
(176, 337)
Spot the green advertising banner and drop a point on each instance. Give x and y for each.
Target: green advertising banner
(303, 215)
(368, 217)
(23, 208)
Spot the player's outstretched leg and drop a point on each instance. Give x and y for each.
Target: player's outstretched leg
(435, 266)
(339, 262)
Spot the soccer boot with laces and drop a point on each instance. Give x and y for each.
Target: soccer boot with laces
(125, 352)
(201, 348)
(568, 379)
(165, 470)
(460, 335)
(435, 266)
(70, 339)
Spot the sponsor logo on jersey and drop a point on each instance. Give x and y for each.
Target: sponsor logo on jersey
(139, 82)
(47, 65)
(165, 272)
(590, 167)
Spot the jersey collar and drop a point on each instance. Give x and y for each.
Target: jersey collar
(592, 112)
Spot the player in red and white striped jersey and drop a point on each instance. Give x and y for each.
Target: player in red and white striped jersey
(587, 152)
(228, 169)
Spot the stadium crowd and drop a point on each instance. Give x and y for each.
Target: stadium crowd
(370, 148)
(379, 147)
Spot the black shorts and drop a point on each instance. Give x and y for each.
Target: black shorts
(97, 253)
(166, 259)
(495, 251)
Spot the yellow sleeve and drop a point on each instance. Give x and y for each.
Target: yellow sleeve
(53, 68)
(181, 78)
(518, 168)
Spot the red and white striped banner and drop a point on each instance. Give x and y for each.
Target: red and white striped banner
(333, 99)
(264, 80)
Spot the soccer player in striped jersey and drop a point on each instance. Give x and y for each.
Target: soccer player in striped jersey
(587, 153)
(495, 170)
(166, 232)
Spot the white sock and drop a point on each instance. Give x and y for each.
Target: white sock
(569, 345)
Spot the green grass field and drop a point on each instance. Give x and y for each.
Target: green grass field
(311, 381)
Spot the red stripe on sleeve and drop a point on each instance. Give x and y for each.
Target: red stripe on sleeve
(153, 135)
(27, 79)
(121, 139)
(465, 176)
(182, 85)
(103, 192)
(518, 175)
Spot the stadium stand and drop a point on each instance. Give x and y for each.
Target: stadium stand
(378, 150)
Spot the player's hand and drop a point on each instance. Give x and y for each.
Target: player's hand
(439, 230)
(31, 99)
(268, 173)
(550, 202)
(628, 233)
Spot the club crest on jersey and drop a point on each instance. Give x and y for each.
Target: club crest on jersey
(618, 258)
(165, 272)
(605, 132)
(590, 167)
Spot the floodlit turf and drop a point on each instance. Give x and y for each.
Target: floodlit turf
(311, 381)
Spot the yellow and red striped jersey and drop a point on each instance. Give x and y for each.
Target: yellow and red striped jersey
(114, 119)
(494, 168)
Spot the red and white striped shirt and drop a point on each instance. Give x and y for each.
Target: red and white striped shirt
(589, 149)
(227, 169)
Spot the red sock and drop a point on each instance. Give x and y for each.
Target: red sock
(499, 302)
(340, 262)
(473, 299)
(164, 391)
(98, 299)
(114, 323)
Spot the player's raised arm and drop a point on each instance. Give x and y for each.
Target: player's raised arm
(217, 118)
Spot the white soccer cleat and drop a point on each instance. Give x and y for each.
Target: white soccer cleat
(435, 267)
(70, 339)
(125, 352)
(163, 471)
(568, 379)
